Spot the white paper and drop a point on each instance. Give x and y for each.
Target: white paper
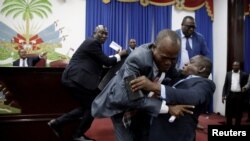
(115, 46)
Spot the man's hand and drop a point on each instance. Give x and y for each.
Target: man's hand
(43, 55)
(223, 99)
(123, 53)
(244, 89)
(180, 110)
(144, 83)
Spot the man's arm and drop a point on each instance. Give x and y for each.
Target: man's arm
(199, 92)
(246, 87)
(175, 110)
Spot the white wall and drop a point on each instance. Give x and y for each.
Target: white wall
(220, 51)
(178, 15)
(72, 15)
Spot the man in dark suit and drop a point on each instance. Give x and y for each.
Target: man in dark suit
(195, 40)
(82, 76)
(132, 45)
(25, 61)
(196, 89)
(147, 60)
(232, 93)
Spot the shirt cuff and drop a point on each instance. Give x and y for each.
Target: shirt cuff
(163, 92)
(164, 108)
(118, 57)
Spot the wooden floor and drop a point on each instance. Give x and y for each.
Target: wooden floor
(102, 129)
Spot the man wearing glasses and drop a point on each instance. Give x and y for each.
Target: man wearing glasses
(193, 43)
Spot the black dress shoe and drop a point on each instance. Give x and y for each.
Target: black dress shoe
(55, 128)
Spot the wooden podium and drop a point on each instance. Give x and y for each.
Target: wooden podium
(30, 97)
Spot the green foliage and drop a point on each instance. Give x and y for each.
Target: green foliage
(27, 8)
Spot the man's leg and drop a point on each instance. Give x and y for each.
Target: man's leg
(141, 126)
(85, 99)
(121, 133)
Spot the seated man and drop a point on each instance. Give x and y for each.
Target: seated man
(25, 61)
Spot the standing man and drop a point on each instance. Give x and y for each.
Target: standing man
(81, 77)
(233, 94)
(25, 61)
(192, 42)
(132, 45)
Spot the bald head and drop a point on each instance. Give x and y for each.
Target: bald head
(101, 33)
(100, 27)
(166, 49)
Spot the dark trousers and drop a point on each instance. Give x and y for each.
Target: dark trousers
(234, 108)
(140, 126)
(121, 132)
(83, 112)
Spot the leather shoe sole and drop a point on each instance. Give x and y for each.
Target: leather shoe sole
(55, 129)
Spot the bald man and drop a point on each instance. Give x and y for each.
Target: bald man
(81, 77)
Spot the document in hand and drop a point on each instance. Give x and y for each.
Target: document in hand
(115, 46)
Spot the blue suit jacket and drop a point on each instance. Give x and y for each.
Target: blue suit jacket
(194, 91)
(199, 46)
(86, 66)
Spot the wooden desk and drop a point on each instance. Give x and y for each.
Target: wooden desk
(39, 95)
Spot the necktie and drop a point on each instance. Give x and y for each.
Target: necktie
(157, 80)
(188, 48)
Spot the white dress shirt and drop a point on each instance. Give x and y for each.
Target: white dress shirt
(23, 62)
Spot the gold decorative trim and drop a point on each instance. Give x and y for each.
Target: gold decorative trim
(106, 1)
(209, 12)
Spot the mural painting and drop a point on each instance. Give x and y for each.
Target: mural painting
(28, 34)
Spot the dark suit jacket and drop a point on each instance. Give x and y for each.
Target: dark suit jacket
(86, 65)
(199, 46)
(31, 61)
(114, 97)
(194, 91)
(234, 104)
(110, 73)
(228, 82)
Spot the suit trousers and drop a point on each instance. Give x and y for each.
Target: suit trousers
(121, 133)
(234, 107)
(84, 97)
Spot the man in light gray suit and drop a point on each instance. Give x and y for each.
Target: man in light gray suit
(147, 60)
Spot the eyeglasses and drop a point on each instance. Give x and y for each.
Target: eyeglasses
(189, 26)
